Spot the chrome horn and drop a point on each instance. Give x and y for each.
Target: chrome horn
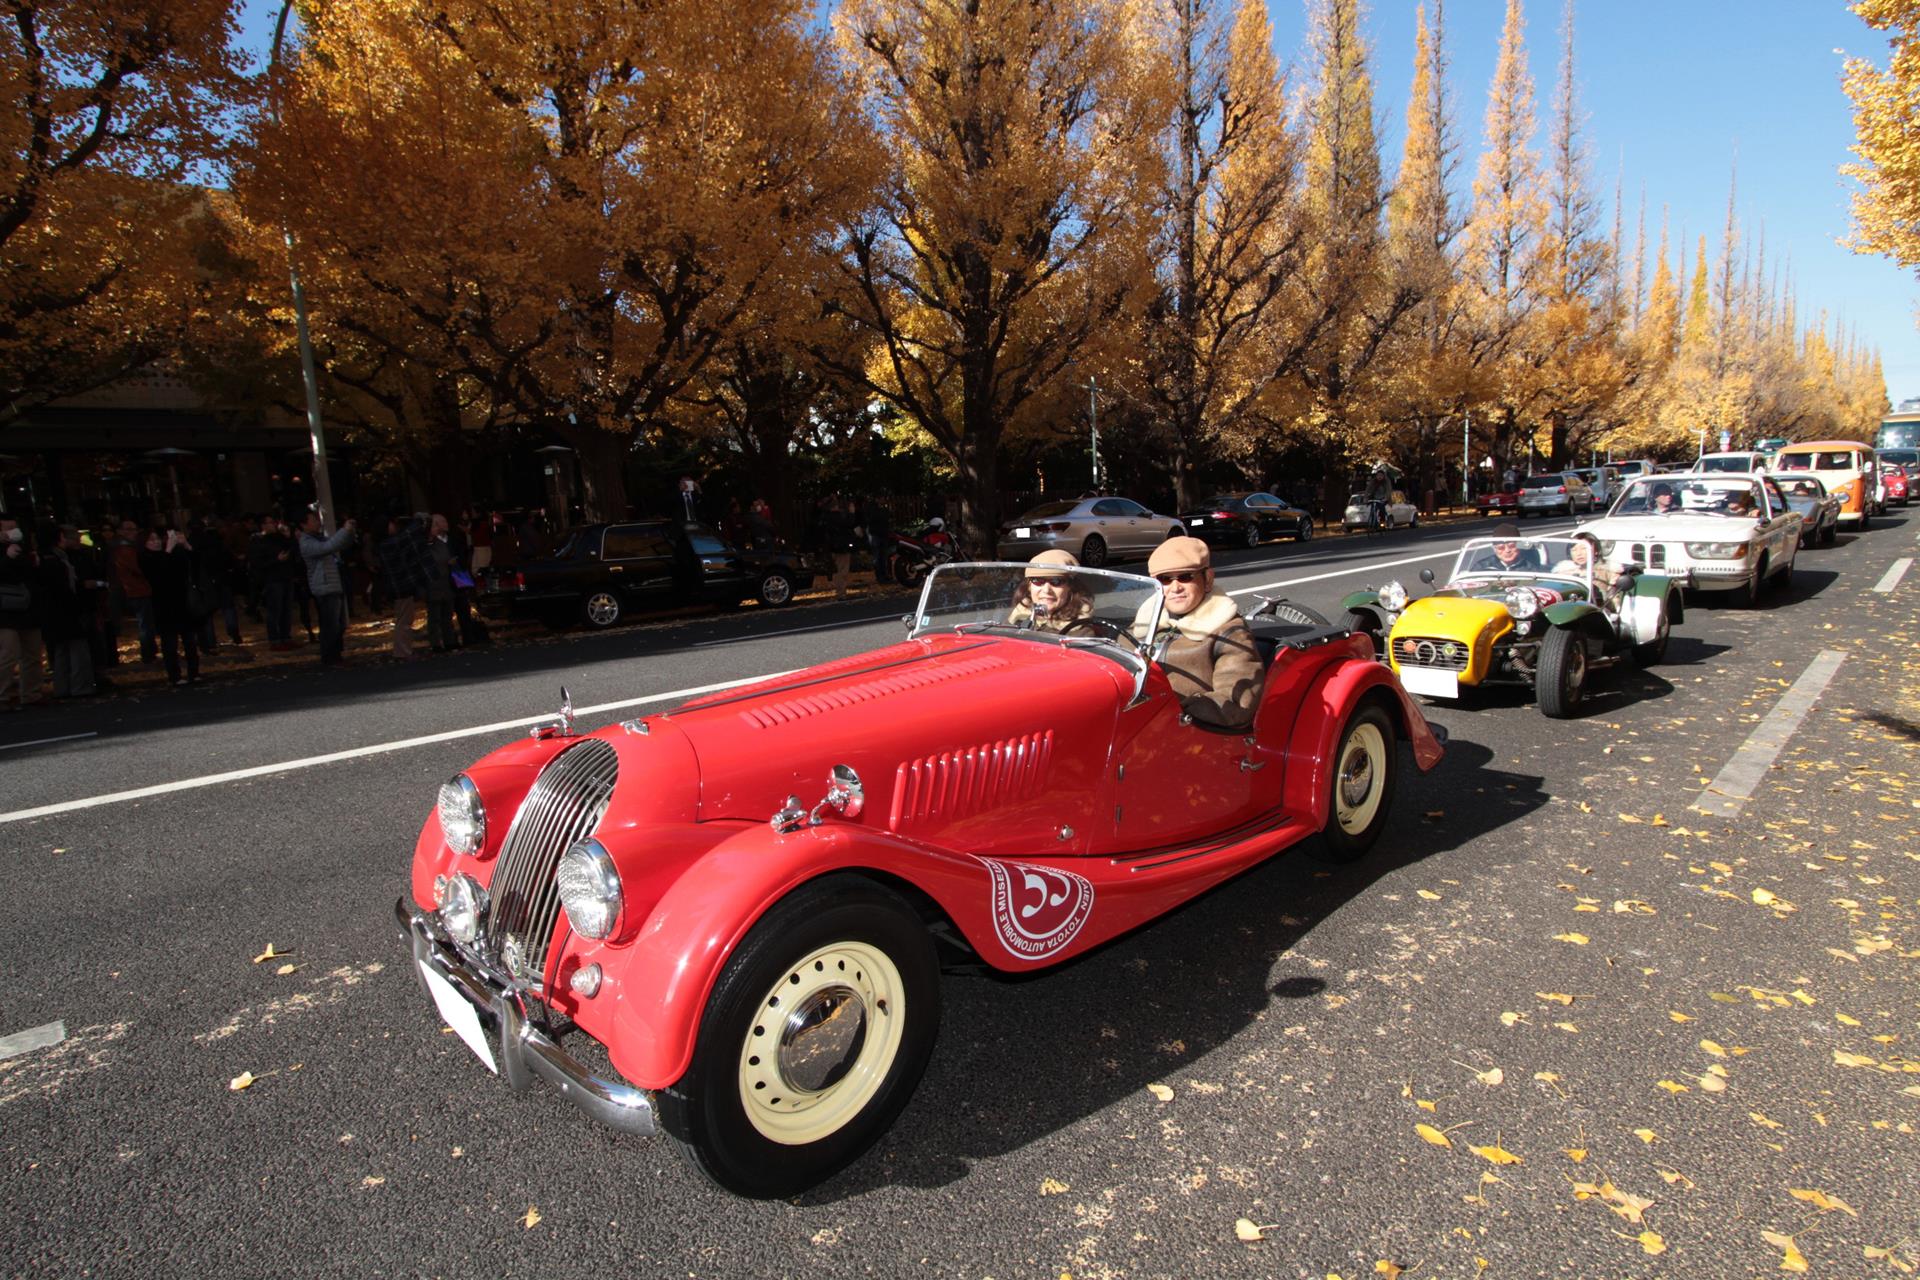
(846, 796)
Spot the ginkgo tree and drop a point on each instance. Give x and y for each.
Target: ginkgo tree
(113, 108)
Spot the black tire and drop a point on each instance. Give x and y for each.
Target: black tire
(1833, 531)
(1176, 532)
(1749, 596)
(1305, 532)
(601, 609)
(1654, 651)
(1093, 552)
(1360, 791)
(1563, 673)
(858, 928)
(1252, 536)
(1865, 518)
(1783, 580)
(776, 588)
(914, 574)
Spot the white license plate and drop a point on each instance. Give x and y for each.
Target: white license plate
(1434, 684)
(1198, 520)
(1023, 533)
(461, 1016)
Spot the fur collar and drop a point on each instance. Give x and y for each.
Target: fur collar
(1206, 620)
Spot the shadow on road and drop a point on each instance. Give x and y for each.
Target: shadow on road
(1020, 1058)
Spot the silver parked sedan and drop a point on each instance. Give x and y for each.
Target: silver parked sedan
(1096, 530)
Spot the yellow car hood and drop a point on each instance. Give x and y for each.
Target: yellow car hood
(1475, 622)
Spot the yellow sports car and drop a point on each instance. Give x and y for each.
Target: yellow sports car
(1520, 611)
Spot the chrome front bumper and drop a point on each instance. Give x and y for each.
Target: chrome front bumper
(525, 1051)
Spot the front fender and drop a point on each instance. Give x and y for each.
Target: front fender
(710, 883)
(1361, 600)
(1323, 714)
(1569, 612)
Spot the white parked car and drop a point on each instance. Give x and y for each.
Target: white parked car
(1743, 462)
(1400, 512)
(1720, 532)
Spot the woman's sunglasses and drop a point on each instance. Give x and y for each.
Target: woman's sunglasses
(1046, 582)
(1185, 575)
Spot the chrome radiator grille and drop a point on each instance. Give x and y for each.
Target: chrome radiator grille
(564, 805)
(1432, 651)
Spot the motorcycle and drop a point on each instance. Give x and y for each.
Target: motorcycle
(917, 554)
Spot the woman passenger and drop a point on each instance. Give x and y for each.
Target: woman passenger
(1049, 599)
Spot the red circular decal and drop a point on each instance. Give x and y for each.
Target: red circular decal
(1037, 910)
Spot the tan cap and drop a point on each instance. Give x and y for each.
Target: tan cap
(1051, 564)
(1176, 554)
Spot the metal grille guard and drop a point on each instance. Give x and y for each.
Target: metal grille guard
(525, 1050)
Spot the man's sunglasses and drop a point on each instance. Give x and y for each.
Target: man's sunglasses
(1185, 575)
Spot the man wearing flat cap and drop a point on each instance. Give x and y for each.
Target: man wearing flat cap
(1208, 655)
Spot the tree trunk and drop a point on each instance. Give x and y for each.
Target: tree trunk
(602, 459)
(979, 468)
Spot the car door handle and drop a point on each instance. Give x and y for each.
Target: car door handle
(1247, 766)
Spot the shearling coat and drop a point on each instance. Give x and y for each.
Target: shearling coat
(1212, 662)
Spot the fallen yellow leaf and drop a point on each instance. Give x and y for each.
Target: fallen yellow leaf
(1673, 1177)
(268, 954)
(1423, 1104)
(1822, 1201)
(1714, 1047)
(1558, 997)
(531, 1219)
(1677, 1016)
(1854, 1059)
(1496, 1155)
(1647, 1136)
(1711, 1083)
(1244, 1230)
(1490, 1077)
(1568, 1027)
(1671, 1086)
(1429, 895)
(1161, 1091)
(285, 969)
(1391, 1270)
(1509, 1018)
(242, 1081)
(1053, 1187)
(1577, 939)
(1792, 1259)
(1652, 1243)
(1433, 1135)
(1763, 1122)
(1627, 817)
(1845, 1021)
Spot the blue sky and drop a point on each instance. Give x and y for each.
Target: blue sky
(1672, 91)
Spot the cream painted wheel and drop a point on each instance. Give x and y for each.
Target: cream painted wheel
(1361, 783)
(828, 1033)
(816, 1031)
(1359, 770)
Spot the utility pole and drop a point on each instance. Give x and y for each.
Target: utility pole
(322, 482)
(1093, 423)
(1466, 459)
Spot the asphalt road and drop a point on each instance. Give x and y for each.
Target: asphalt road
(1549, 954)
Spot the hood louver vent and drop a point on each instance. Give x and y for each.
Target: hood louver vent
(767, 715)
(970, 779)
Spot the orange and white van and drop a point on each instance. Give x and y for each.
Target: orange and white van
(1848, 468)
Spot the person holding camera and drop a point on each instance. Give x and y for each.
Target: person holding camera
(322, 558)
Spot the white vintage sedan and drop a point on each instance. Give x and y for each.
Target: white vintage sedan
(1720, 533)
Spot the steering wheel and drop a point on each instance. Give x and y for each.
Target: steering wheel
(1104, 627)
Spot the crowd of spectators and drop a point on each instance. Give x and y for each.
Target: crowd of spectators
(178, 590)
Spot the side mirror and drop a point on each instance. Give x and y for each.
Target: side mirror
(906, 620)
(1426, 576)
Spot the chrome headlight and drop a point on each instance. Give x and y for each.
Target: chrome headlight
(1522, 602)
(1717, 550)
(589, 888)
(1393, 597)
(463, 818)
(463, 905)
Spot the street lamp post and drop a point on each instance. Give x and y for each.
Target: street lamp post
(322, 482)
(1466, 459)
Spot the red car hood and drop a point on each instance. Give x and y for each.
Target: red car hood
(990, 738)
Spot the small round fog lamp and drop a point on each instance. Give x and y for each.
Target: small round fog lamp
(463, 906)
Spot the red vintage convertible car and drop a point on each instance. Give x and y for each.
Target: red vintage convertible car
(763, 969)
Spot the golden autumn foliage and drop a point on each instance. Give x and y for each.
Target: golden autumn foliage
(113, 107)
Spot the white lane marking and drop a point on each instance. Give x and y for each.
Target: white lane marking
(1733, 786)
(41, 742)
(33, 1038)
(378, 748)
(1897, 571)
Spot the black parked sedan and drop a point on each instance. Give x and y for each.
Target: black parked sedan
(602, 572)
(1246, 519)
